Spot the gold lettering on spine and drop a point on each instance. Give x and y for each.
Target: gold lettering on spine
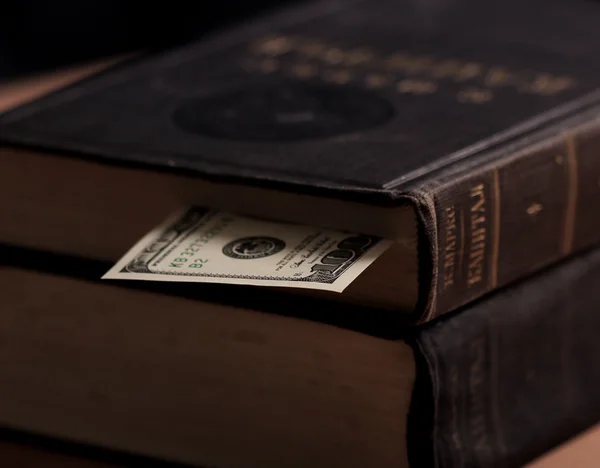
(477, 247)
(496, 229)
(572, 194)
(534, 209)
(450, 247)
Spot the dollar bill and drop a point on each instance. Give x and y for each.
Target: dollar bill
(199, 245)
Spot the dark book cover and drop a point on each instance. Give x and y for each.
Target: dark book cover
(512, 376)
(498, 383)
(482, 117)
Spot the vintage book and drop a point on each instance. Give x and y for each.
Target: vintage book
(22, 449)
(467, 132)
(194, 374)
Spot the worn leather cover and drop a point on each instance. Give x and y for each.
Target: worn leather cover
(512, 376)
(254, 102)
(381, 101)
(498, 383)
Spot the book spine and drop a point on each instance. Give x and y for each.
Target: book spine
(505, 220)
(511, 376)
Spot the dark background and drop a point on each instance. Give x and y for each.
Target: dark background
(38, 35)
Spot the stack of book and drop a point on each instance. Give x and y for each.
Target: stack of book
(346, 234)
